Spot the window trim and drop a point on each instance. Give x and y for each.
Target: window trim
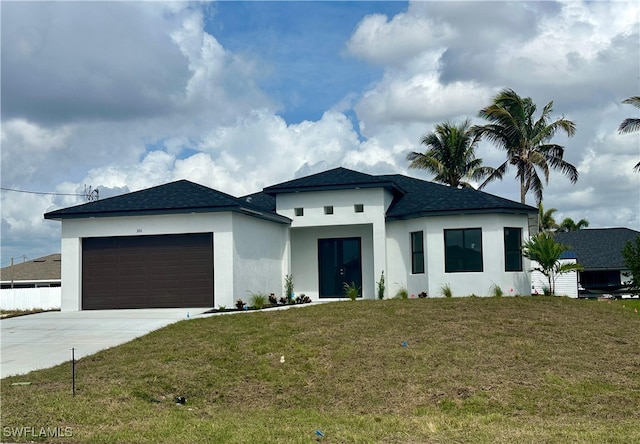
(417, 253)
(465, 269)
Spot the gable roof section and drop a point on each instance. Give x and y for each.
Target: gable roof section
(599, 248)
(424, 198)
(182, 196)
(335, 179)
(45, 268)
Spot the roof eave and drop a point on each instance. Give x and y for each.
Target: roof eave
(458, 212)
(391, 186)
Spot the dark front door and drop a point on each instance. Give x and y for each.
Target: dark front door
(339, 262)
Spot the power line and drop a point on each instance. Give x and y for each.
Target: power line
(41, 192)
(90, 194)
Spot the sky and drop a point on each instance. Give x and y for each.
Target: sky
(237, 96)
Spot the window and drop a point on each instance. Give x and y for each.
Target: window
(299, 211)
(328, 209)
(358, 208)
(512, 243)
(417, 252)
(463, 250)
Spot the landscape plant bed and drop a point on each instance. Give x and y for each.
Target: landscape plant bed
(478, 370)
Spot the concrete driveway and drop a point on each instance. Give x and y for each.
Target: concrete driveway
(43, 340)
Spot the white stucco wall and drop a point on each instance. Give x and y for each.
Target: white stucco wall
(260, 251)
(304, 257)
(462, 284)
(248, 232)
(344, 222)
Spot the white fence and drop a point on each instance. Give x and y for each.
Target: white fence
(46, 298)
(566, 284)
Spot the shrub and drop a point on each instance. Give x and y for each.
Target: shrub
(445, 290)
(258, 300)
(283, 300)
(381, 286)
(496, 291)
(402, 293)
(631, 255)
(303, 299)
(288, 287)
(239, 304)
(351, 291)
(422, 294)
(272, 299)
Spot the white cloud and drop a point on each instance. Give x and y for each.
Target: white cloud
(387, 42)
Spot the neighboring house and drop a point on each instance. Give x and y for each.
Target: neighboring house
(565, 285)
(41, 272)
(186, 245)
(599, 251)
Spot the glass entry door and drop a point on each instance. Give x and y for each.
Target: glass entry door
(339, 262)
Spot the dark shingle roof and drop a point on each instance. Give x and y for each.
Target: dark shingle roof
(599, 248)
(424, 198)
(412, 198)
(335, 179)
(175, 197)
(45, 268)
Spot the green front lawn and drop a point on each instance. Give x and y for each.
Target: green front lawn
(487, 370)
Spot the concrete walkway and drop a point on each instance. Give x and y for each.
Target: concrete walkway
(43, 340)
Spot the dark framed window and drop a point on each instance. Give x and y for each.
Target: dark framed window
(328, 209)
(463, 250)
(299, 211)
(417, 252)
(358, 208)
(512, 254)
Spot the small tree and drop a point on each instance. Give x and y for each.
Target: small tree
(544, 249)
(631, 254)
(288, 288)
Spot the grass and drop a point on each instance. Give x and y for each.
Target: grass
(480, 370)
(13, 313)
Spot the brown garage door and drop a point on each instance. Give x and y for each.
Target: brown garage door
(147, 271)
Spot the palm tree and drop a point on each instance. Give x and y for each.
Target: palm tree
(451, 155)
(546, 222)
(546, 252)
(569, 224)
(631, 125)
(526, 140)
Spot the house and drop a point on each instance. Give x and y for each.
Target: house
(31, 285)
(185, 245)
(41, 272)
(599, 251)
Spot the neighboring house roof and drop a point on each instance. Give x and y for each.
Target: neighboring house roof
(412, 198)
(45, 268)
(599, 248)
(182, 196)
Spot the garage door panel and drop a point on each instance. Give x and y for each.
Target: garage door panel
(148, 271)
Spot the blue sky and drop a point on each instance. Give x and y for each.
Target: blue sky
(301, 48)
(241, 95)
